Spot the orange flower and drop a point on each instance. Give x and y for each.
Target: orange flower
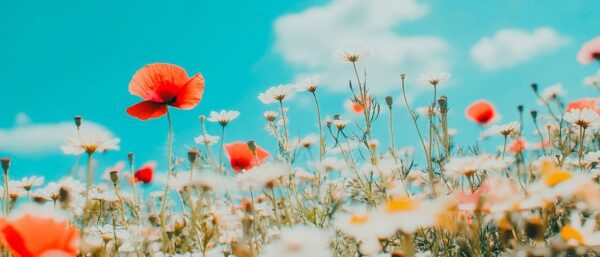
(590, 51)
(583, 103)
(241, 157)
(517, 146)
(481, 111)
(354, 107)
(32, 235)
(162, 84)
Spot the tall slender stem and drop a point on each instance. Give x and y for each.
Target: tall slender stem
(163, 218)
(89, 177)
(285, 130)
(221, 149)
(414, 119)
(321, 138)
(504, 147)
(393, 146)
(6, 197)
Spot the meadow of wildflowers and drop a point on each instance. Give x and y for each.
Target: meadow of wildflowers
(357, 194)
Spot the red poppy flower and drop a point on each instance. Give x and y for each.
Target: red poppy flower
(33, 235)
(590, 51)
(481, 111)
(583, 103)
(241, 157)
(145, 173)
(162, 84)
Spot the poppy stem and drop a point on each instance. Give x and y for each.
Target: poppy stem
(163, 218)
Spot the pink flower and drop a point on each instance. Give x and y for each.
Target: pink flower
(590, 51)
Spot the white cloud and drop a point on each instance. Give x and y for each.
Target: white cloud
(510, 47)
(308, 39)
(28, 138)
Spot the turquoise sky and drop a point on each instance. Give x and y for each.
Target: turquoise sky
(64, 58)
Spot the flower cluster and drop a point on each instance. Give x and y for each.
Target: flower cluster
(343, 190)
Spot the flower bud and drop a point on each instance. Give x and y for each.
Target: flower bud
(202, 118)
(443, 102)
(520, 108)
(130, 157)
(402, 76)
(114, 176)
(534, 115)
(389, 101)
(252, 145)
(5, 163)
(534, 86)
(78, 121)
(193, 155)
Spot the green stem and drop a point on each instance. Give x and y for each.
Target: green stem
(163, 218)
(321, 138)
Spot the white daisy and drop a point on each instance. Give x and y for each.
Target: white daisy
(352, 54)
(580, 234)
(585, 118)
(266, 175)
(309, 84)
(276, 94)
(90, 139)
(299, 241)
(271, 115)
(28, 182)
(206, 139)
(433, 78)
(592, 80)
(553, 92)
(223, 117)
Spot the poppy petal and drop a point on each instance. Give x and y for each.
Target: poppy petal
(191, 94)
(158, 82)
(147, 110)
(241, 157)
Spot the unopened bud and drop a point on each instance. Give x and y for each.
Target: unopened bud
(520, 108)
(402, 76)
(5, 163)
(336, 117)
(202, 118)
(389, 101)
(131, 158)
(534, 86)
(78, 121)
(114, 176)
(252, 145)
(443, 102)
(193, 155)
(534, 115)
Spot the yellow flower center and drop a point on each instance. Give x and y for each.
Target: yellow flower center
(358, 219)
(557, 177)
(400, 205)
(568, 233)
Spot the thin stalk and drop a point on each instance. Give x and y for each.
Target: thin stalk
(89, 177)
(221, 149)
(393, 146)
(285, 130)
(414, 119)
(581, 146)
(321, 138)
(163, 218)
(504, 147)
